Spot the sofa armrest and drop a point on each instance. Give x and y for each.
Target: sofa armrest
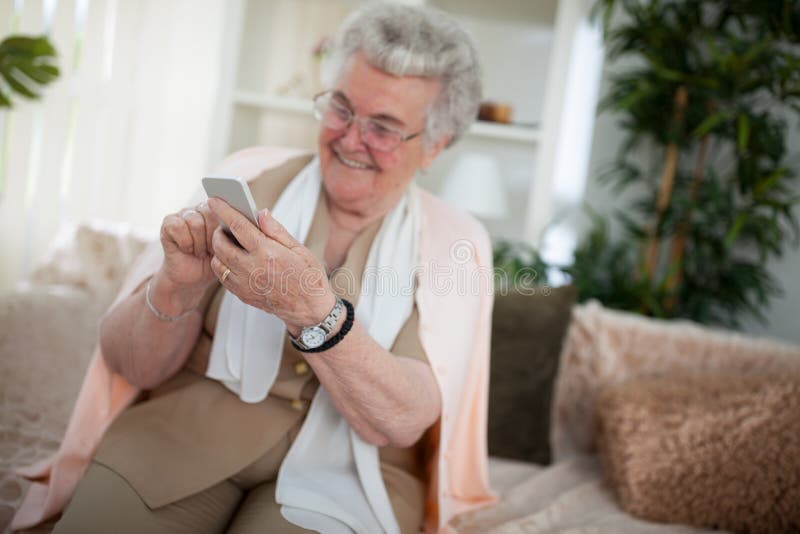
(46, 340)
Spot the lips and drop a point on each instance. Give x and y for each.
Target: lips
(352, 163)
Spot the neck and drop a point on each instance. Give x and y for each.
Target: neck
(344, 226)
(347, 221)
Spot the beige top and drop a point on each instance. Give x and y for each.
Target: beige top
(162, 445)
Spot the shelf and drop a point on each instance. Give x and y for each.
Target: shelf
(299, 105)
(505, 132)
(292, 104)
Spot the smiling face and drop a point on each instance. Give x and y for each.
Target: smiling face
(357, 178)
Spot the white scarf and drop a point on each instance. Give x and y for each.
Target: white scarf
(330, 480)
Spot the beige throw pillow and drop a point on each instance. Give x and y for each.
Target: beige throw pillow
(711, 450)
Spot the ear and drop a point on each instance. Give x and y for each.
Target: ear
(431, 153)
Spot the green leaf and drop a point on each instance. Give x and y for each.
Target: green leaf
(743, 132)
(21, 45)
(709, 124)
(26, 65)
(768, 181)
(41, 74)
(733, 233)
(13, 78)
(756, 50)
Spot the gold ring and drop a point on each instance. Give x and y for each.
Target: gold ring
(225, 275)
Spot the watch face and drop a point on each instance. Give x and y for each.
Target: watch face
(313, 337)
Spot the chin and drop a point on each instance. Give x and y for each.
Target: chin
(348, 186)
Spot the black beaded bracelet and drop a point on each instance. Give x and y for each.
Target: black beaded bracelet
(346, 326)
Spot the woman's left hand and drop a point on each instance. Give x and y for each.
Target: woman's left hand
(271, 270)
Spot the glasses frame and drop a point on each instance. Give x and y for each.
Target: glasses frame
(318, 114)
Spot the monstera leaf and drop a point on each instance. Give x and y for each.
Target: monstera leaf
(26, 64)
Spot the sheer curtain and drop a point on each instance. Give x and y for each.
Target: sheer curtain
(124, 135)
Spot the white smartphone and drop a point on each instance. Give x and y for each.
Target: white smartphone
(235, 191)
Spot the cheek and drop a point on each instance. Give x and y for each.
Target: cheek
(398, 171)
(400, 165)
(387, 161)
(327, 135)
(324, 140)
(392, 171)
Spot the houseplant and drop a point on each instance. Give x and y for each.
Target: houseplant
(25, 63)
(711, 87)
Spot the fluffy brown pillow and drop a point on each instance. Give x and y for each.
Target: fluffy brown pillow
(719, 451)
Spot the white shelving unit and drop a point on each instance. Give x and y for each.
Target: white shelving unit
(302, 106)
(529, 52)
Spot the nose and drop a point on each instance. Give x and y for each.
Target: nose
(351, 139)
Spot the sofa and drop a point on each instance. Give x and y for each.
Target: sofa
(565, 468)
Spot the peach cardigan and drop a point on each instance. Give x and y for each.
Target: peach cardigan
(455, 311)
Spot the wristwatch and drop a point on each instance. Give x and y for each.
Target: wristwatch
(315, 336)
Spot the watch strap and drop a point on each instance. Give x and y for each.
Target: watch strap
(326, 325)
(346, 326)
(330, 321)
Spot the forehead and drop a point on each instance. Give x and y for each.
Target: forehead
(372, 91)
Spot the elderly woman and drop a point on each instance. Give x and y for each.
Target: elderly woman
(280, 385)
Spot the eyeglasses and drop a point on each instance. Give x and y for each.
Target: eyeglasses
(374, 133)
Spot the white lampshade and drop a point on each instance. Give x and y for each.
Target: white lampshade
(474, 184)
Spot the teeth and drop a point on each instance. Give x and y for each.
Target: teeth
(352, 163)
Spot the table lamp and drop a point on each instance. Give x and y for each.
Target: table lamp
(475, 185)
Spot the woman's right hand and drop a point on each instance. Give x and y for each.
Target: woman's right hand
(138, 343)
(186, 240)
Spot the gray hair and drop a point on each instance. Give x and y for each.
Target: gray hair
(405, 40)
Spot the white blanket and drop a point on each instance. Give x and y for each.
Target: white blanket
(568, 496)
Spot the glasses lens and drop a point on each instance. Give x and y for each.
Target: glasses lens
(336, 115)
(332, 114)
(381, 137)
